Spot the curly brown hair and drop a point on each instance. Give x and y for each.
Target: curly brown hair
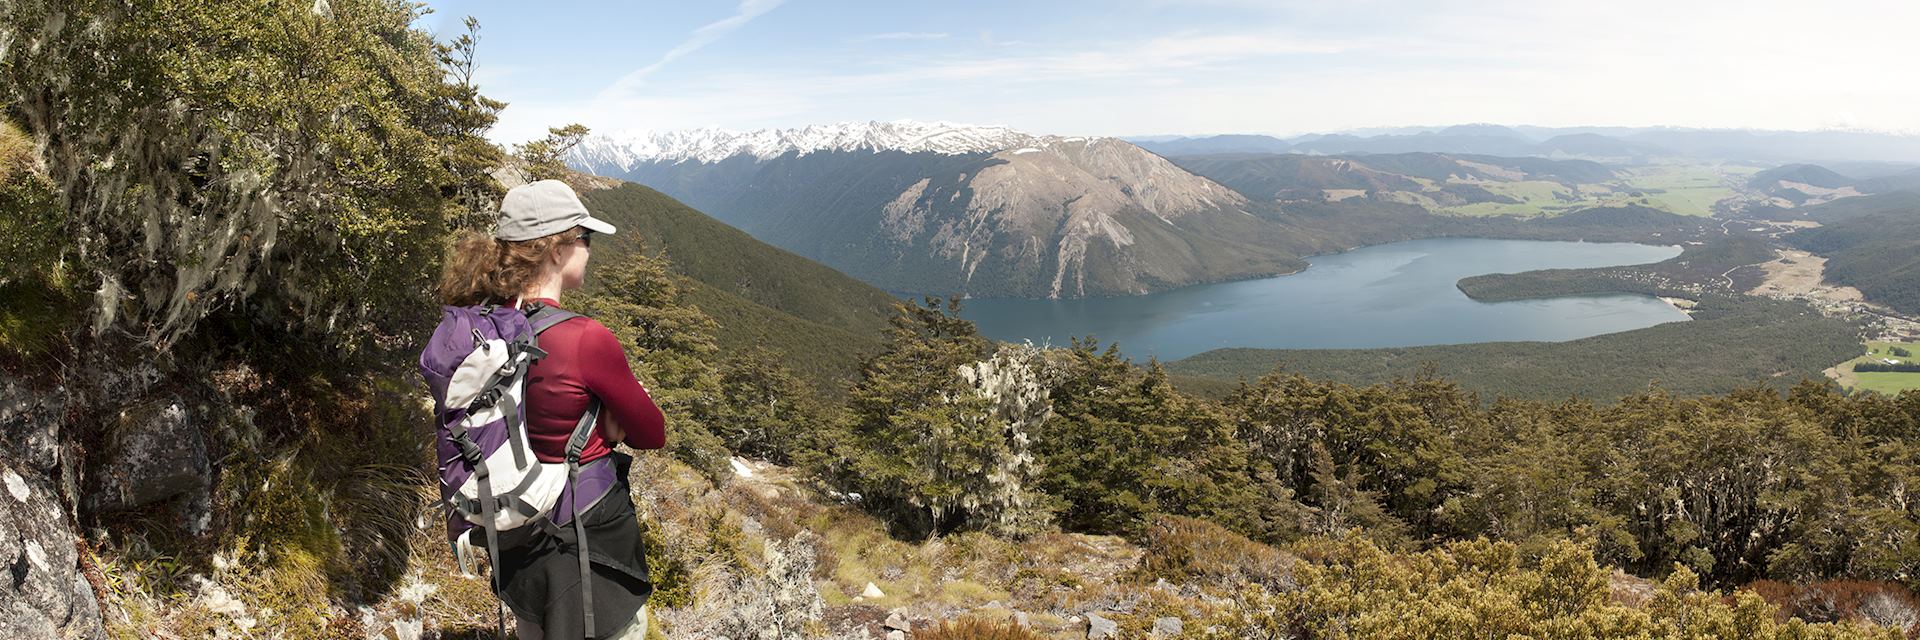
(481, 269)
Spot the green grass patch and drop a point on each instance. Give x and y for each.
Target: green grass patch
(1686, 190)
(1534, 190)
(34, 316)
(1537, 197)
(1878, 349)
(1885, 382)
(1690, 190)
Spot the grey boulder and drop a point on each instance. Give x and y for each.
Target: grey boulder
(155, 453)
(1099, 628)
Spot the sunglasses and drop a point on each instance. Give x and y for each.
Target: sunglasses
(585, 238)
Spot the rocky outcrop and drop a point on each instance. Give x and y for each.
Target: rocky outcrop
(43, 594)
(30, 429)
(1101, 628)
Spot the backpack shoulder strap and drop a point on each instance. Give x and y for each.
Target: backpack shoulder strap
(576, 444)
(546, 317)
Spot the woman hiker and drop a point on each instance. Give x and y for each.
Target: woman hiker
(537, 253)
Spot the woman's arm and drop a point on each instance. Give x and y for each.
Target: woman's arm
(610, 429)
(627, 412)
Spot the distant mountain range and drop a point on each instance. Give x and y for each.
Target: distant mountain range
(952, 209)
(711, 145)
(949, 209)
(1598, 143)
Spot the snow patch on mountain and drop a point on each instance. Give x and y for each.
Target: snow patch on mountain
(625, 149)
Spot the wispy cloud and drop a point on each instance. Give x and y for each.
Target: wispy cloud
(753, 97)
(902, 35)
(748, 97)
(1325, 67)
(701, 37)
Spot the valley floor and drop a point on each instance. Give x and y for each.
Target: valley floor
(1798, 275)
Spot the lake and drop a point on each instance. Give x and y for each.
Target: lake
(1390, 295)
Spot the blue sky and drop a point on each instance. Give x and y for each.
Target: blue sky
(1145, 67)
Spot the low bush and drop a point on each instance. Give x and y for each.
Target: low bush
(978, 629)
(1186, 550)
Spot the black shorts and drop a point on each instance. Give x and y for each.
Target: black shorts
(540, 571)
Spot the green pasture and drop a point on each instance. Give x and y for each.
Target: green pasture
(1886, 382)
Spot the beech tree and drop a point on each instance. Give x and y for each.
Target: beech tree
(937, 428)
(307, 159)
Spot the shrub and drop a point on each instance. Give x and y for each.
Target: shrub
(973, 628)
(779, 603)
(1487, 589)
(1186, 550)
(1124, 445)
(1883, 604)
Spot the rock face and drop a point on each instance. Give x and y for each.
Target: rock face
(29, 420)
(1052, 209)
(44, 595)
(897, 625)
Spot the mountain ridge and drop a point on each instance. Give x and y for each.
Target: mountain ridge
(818, 321)
(1631, 144)
(1041, 216)
(712, 144)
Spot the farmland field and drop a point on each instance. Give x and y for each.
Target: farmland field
(1887, 382)
(1687, 190)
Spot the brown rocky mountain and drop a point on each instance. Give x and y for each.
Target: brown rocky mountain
(997, 213)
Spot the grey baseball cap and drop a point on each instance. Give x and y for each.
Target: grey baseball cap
(543, 208)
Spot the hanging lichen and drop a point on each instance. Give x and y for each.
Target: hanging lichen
(1015, 391)
(305, 163)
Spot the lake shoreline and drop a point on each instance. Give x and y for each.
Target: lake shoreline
(1400, 294)
(1199, 283)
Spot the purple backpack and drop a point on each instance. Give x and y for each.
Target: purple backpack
(476, 367)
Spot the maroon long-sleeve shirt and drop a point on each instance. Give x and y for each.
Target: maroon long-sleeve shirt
(584, 360)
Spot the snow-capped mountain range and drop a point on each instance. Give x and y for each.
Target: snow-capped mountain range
(625, 149)
(959, 209)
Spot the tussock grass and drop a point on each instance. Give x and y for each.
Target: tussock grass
(972, 628)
